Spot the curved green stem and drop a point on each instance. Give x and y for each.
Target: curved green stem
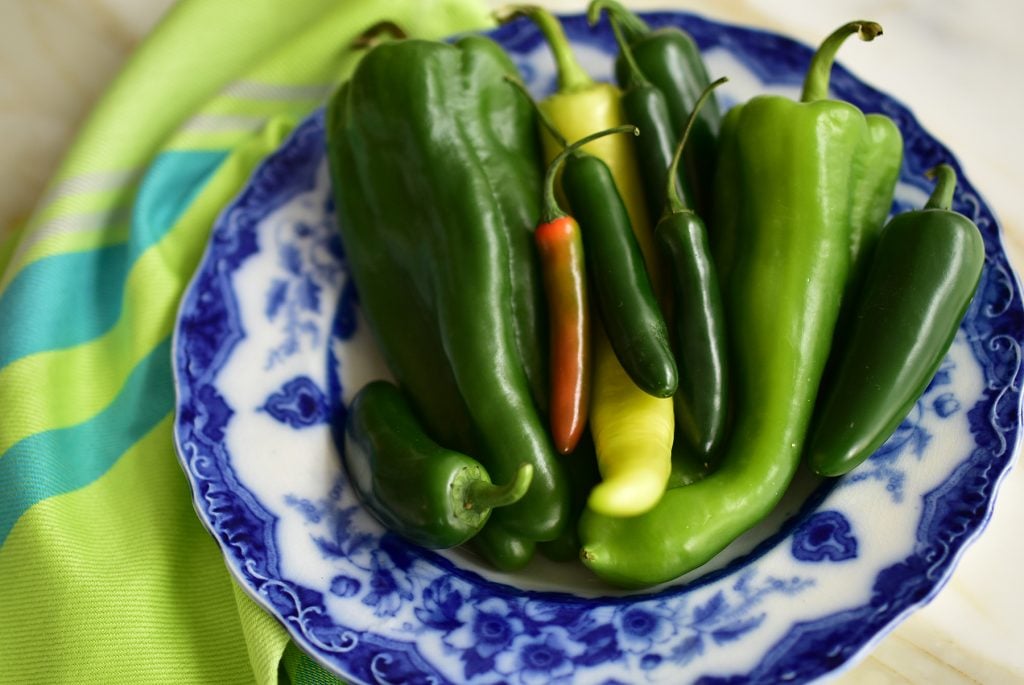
(820, 70)
(636, 76)
(945, 185)
(551, 209)
(571, 74)
(674, 203)
(633, 27)
(545, 120)
(482, 495)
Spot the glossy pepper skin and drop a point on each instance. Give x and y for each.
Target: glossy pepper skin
(437, 498)
(645, 107)
(632, 424)
(921, 279)
(632, 430)
(623, 291)
(560, 248)
(437, 189)
(789, 183)
(581, 106)
(502, 549)
(698, 317)
(671, 61)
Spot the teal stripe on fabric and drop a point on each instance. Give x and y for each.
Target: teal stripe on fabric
(65, 459)
(67, 299)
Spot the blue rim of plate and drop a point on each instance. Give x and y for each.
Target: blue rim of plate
(954, 514)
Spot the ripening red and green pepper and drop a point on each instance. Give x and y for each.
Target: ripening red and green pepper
(560, 247)
(765, 319)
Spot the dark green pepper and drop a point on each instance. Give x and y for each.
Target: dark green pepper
(671, 61)
(502, 549)
(698, 320)
(924, 272)
(618, 276)
(437, 183)
(788, 188)
(645, 107)
(435, 497)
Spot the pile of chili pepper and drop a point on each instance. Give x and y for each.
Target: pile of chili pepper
(625, 345)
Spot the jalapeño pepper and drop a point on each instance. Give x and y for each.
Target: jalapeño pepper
(435, 497)
(788, 187)
(919, 283)
(436, 221)
(671, 61)
(645, 107)
(698, 320)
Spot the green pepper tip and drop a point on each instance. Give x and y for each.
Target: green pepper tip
(674, 203)
(945, 185)
(868, 30)
(820, 69)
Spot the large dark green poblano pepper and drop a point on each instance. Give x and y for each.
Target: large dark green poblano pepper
(437, 183)
(922, 276)
(787, 172)
(670, 60)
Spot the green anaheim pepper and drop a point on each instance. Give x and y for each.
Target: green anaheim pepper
(435, 497)
(924, 272)
(437, 182)
(785, 180)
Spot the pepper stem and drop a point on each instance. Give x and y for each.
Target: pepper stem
(482, 495)
(636, 76)
(945, 184)
(674, 202)
(820, 70)
(545, 120)
(634, 28)
(571, 74)
(378, 33)
(551, 209)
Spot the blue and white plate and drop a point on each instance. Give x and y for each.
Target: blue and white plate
(270, 344)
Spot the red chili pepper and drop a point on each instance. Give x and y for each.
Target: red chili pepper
(565, 283)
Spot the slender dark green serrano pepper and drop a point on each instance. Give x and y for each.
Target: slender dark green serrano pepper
(918, 285)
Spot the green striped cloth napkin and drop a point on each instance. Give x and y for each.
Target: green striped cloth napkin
(106, 574)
